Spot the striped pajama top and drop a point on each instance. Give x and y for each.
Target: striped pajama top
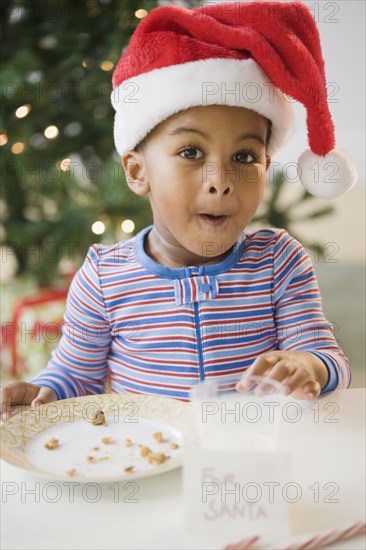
(158, 330)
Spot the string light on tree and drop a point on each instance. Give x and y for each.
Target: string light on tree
(51, 132)
(106, 65)
(127, 226)
(22, 111)
(98, 228)
(65, 164)
(140, 14)
(17, 148)
(3, 138)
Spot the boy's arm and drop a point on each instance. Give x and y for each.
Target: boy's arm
(79, 364)
(299, 317)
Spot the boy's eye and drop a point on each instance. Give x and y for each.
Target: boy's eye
(191, 153)
(244, 156)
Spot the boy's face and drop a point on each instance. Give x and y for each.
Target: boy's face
(204, 171)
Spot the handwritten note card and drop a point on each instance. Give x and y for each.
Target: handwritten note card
(241, 493)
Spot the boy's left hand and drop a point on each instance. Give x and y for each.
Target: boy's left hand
(302, 373)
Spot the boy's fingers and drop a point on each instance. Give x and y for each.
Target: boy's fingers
(22, 393)
(5, 404)
(283, 370)
(258, 368)
(45, 395)
(308, 391)
(301, 383)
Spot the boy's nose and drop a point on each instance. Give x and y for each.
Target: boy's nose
(219, 180)
(218, 189)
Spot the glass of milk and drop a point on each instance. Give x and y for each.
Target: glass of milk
(227, 419)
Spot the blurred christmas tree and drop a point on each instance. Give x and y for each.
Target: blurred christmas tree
(60, 171)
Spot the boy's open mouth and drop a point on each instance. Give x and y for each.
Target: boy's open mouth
(212, 219)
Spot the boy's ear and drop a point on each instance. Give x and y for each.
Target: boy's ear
(135, 171)
(268, 162)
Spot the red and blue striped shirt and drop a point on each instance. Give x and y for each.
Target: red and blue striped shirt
(158, 330)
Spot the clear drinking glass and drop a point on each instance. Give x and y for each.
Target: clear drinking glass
(247, 420)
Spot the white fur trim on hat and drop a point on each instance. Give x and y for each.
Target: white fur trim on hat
(327, 177)
(144, 101)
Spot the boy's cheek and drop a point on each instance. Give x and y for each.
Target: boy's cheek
(254, 172)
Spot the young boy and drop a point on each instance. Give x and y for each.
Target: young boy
(201, 108)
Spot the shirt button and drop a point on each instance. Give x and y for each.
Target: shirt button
(205, 288)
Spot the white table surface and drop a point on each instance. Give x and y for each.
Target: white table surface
(96, 516)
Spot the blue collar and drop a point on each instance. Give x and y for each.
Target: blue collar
(186, 272)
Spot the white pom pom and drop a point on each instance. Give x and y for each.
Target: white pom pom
(327, 177)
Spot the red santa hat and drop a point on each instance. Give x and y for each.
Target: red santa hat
(254, 55)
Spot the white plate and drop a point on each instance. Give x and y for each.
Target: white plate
(128, 416)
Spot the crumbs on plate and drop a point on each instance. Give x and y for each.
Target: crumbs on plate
(98, 418)
(156, 458)
(53, 443)
(152, 458)
(158, 436)
(145, 451)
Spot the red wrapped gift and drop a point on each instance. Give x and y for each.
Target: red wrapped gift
(37, 320)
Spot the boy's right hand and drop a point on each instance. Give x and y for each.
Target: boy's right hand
(23, 393)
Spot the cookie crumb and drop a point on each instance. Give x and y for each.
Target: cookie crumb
(174, 446)
(107, 440)
(90, 459)
(71, 472)
(158, 436)
(53, 443)
(105, 457)
(156, 458)
(129, 469)
(98, 418)
(96, 448)
(145, 451)
(128, 442)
